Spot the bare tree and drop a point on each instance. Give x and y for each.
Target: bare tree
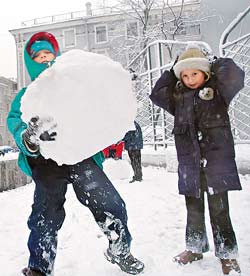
(157, 19)
(137, 36)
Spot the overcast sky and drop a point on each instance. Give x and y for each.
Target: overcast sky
(13, 12)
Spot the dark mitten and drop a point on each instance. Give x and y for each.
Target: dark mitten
(172, 68)
(45, 136)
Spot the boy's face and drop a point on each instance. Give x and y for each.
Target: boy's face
(43, 56)
(193, 78)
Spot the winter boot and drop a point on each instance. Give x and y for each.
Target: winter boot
(30, 272)
(135, 178)
(229, 265)
(128, 263)
(187, 256)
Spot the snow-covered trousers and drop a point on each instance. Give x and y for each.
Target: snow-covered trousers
(135, 159)
(93, 189)
(223, 234)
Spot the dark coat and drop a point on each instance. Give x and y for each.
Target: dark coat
(133, 138)
(202, 128)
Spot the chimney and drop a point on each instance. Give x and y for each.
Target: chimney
(88, 9)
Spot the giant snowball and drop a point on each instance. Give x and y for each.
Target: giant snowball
(90, 98)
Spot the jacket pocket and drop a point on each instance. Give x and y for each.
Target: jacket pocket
(183, 140)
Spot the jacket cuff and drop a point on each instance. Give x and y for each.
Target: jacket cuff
(32, 148)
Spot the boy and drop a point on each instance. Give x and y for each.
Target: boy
(92, 187)
(133, 143)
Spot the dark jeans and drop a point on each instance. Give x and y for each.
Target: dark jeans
(93, 189)
(223, 234)
(135, 159)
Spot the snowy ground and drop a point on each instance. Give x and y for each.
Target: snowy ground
(156, 221)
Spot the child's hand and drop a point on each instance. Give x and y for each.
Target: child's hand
(39, 129)
(175, 61)
(45, 136)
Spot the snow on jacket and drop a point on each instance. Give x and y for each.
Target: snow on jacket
(133, 138)
(14, 122)
(202, 128)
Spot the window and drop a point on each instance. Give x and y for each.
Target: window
(194, 29)
(132, 29)
(69, 38)
(101, 34)
(186, 29)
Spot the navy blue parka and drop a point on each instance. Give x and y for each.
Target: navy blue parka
(202, 128)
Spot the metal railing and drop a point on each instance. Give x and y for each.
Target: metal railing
(89, 12)
(239, 50)
(69, 16)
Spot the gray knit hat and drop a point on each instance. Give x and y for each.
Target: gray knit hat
(192, 58)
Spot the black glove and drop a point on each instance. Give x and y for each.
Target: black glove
(45, 136)
(172, 68)
(213, 68)
(33, 135)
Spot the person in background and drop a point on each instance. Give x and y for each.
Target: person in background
(197, 93)
(92, 187)
(133, 143)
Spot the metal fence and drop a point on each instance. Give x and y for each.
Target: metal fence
(159, 56)
(239, 50)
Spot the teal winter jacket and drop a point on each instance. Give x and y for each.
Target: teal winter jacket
(14, 122)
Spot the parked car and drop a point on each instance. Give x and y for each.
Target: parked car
(6, 149)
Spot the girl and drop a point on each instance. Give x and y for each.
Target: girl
(198, 94)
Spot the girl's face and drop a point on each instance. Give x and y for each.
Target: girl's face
(43, 56)
(193, 78)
